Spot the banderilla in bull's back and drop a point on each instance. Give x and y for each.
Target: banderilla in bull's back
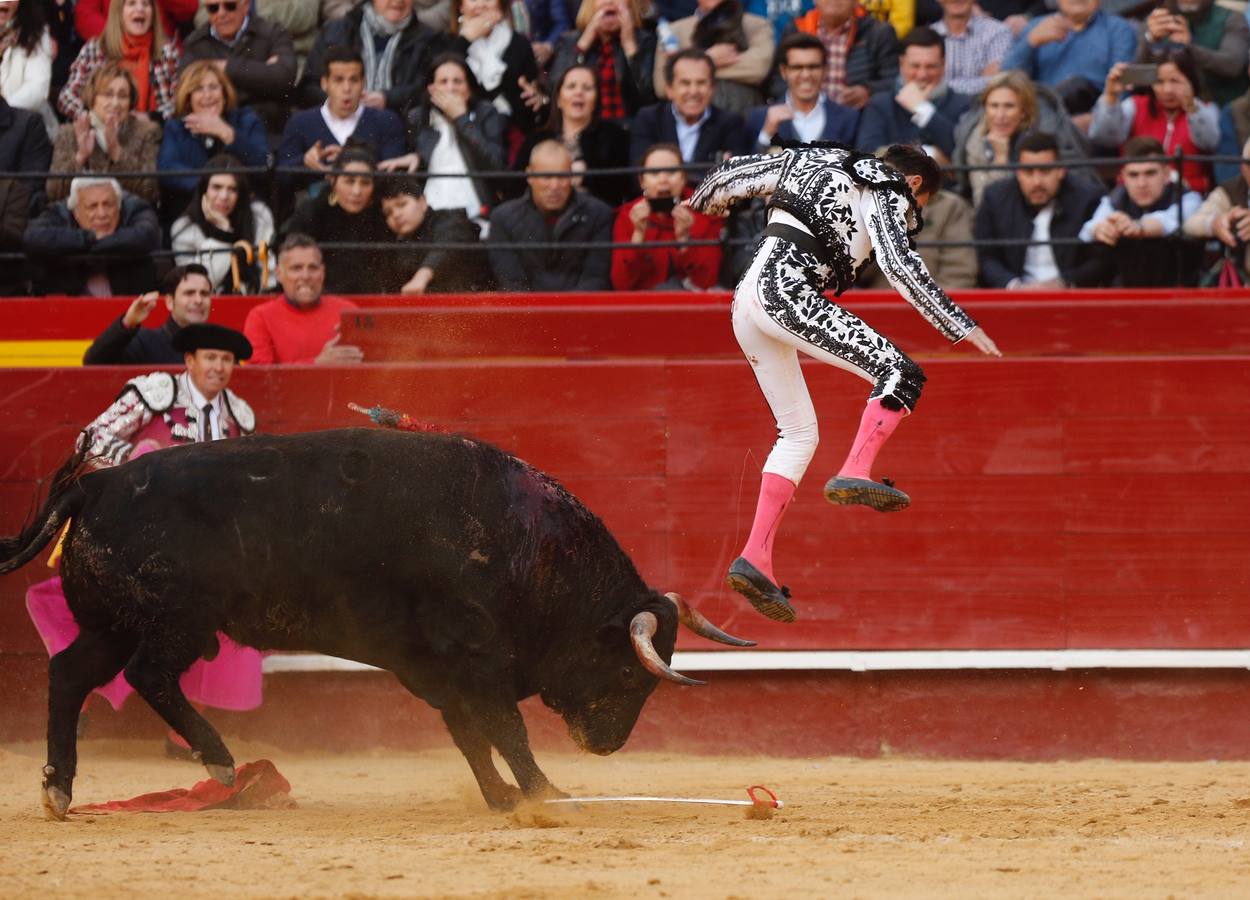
(475, 578)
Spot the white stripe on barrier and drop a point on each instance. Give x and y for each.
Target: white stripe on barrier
(873, 660)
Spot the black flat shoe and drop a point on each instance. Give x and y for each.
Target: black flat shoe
(766, 597)
(884, 497)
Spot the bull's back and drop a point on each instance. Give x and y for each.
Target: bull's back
(294, 538)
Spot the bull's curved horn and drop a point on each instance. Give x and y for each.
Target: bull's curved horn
(696, 622)
(641, 631)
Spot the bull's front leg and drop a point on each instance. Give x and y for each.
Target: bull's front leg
(504, 727)
(498, 794)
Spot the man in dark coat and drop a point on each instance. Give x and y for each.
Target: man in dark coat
(705, 133)
(257, 55)
(551, 211)
(1041, 204)
(804, 113)
(401, 49)
(99, 242)
(14, 216)
(24, 147)
(924, 109)
(188, 295)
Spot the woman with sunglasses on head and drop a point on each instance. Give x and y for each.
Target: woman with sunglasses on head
(106, 138)
(594, 144)
(349, 212)
(133, 37)
(208, 121)
(222, 212)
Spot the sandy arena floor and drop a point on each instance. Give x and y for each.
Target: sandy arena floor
(413, 825)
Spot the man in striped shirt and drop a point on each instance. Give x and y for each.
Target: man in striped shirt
(975, 45)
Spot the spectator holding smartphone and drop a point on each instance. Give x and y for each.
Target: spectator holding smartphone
(660, 215)
(1218, 38)
(1169, 112)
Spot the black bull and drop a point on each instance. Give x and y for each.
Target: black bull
(474, 578)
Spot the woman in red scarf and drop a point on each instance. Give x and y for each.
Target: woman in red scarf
(133, 37)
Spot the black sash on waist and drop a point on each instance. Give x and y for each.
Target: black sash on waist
(800, 239)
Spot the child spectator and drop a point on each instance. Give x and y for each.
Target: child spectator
(419, 269)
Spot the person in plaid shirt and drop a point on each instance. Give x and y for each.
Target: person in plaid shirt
(133, 36)
(861, 53)
(611, 43)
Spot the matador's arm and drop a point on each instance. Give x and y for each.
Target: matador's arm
(885, 211)
(739, 178)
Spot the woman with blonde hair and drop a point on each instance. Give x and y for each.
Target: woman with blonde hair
(106, 138)
(134, 38)
(608, 38)
(208, 121)
(1009, 106)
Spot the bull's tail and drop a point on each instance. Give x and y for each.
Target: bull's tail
(63, 501)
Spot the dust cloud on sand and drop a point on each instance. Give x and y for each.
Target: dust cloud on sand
(413, 825)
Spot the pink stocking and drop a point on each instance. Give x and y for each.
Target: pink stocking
(876, 426)
(776, 493)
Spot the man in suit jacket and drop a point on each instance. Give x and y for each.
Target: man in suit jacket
(689, 120)
(551, 211)
(1042, 204)
(924, 110)
(805, 114)
(314, 137)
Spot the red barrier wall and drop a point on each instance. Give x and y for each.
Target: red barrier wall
(1070, 501)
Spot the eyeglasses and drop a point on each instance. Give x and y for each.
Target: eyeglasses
(228, 6)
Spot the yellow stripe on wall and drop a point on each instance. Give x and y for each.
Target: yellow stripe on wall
(38, 354)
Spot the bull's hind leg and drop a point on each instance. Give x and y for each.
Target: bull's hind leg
(92, 660)
(154, 674)
(497, 793)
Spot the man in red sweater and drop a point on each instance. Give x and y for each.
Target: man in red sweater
(301, 325)
(658, 215)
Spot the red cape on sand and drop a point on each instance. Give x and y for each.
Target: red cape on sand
(257, 785)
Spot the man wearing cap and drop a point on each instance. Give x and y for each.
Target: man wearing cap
(156, 411)
(188, 296)
(164, 410)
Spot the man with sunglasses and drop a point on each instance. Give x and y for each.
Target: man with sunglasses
(257, 55)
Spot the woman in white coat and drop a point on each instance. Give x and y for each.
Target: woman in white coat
(26, 54)
(223, 223)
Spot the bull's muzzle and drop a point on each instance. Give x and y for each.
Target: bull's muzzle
(642, 630)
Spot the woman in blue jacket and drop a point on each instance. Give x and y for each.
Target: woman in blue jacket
(208, 121)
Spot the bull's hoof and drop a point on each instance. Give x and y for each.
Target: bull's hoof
(55, 803)
(221, 774)
(505, 799)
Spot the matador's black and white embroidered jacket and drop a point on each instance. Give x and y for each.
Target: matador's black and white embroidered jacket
(853, 204)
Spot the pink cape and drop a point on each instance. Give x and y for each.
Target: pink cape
(231, 681)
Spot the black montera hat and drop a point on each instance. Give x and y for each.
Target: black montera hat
(207, 336)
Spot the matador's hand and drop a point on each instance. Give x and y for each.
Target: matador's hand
(983, 342)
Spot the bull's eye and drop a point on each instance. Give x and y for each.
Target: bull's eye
(627, 673)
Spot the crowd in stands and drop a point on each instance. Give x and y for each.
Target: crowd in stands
(391, 136)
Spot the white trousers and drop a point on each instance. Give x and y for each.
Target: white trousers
(769, 295)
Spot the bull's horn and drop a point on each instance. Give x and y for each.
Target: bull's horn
(696, 622)
(641, 631)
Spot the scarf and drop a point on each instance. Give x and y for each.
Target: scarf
(373, 28)
(723, 25)
(485, 59)
(137, 60)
